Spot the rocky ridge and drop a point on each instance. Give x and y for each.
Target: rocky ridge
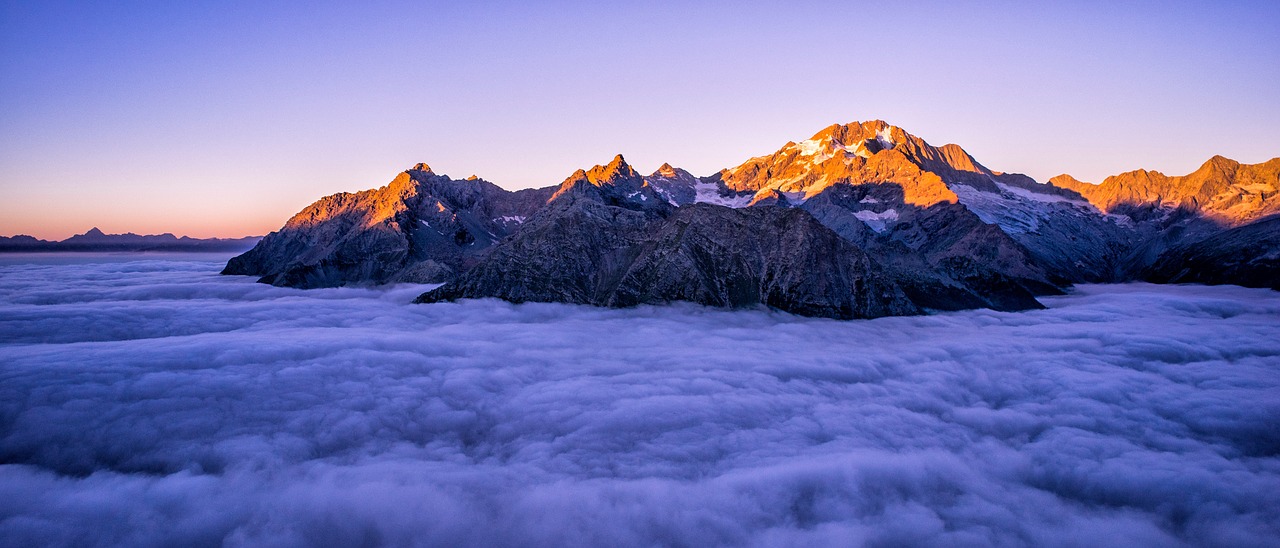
(422, 227)
(1222, 189)
(95, 239)
(860, 220)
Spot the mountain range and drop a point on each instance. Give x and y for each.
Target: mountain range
(860, 220)
(96, 240)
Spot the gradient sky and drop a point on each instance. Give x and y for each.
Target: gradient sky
(225, 118)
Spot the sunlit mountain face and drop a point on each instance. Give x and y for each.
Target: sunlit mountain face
(1222, 189)
(861, 220)
(149, 401)
(860, 338)
(640, 275)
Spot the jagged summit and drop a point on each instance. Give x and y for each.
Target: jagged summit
(859, 153)
(420, 227)
(665, 170)
(617, 169)
(1221, 188)
(616, 183)
(847, 223)
(601, 175)
(871, 137)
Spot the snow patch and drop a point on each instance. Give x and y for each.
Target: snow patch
(1017, 210)
(809, 147)
(885, 136)
(709, 193)
(868, 200)
(1011, 215)
(1036, 196)
(518, 219)
(858, 150)
(877, 221)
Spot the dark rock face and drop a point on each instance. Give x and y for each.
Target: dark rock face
(861, 220)
(782, 258)
(571, 253)
(943, 256)
(583, 251)
(676, 185)
(422, 227)
(1248, 255)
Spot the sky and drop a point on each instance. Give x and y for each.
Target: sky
(157, 403)
(225, 118)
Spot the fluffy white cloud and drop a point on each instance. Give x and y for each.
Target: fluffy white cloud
(156, 403)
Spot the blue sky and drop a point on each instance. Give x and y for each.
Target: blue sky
(223, 119)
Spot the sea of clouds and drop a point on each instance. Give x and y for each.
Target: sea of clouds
(147, 401)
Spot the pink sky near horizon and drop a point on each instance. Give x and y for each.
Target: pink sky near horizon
(224, 121)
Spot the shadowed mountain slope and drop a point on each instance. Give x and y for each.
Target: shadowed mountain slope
(1247, 255)
(861, 220)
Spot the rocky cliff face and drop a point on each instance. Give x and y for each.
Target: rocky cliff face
(1247, 255)
(855, 153)
(422, 227)
(943, 255)
(601, 241)
(1222, 189)
(861, 220)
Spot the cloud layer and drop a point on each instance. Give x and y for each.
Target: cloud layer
(156, 403)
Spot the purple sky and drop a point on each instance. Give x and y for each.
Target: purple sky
(224, 119)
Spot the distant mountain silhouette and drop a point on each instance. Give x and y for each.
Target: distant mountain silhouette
(96, 240)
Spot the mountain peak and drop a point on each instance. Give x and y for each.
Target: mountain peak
(422, 166)
(853, 132)
(1219, 160)
(94, 232)
(1065, 180)
(1221, 188)
(666, 170)
(615, 169)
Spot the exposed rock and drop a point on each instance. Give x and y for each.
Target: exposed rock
(571, 252)
(616, 184)
(421, 227)
(678, 186)
(1222, 189)
(943, 256)
(782, 258)
(869, 152)
(854, 153)
(1247, 255)
(583, 251)
(860, 220)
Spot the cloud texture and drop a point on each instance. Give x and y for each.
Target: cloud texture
(155, 403)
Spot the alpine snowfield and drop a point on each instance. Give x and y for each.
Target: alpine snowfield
(152, 402)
